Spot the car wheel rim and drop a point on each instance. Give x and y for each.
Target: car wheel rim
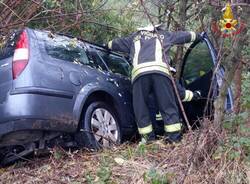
(104, 127)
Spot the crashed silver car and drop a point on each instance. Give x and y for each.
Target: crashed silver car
(56, 89)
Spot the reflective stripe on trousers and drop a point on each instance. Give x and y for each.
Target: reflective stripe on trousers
(145, 130)
(173, 128)
(158, 117)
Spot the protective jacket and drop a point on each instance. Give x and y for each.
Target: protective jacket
(145, 49)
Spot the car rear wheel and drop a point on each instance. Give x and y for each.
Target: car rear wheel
(100, 127)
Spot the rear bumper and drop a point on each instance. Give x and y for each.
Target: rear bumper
(35, 124)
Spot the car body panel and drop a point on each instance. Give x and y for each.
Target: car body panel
(5, 79)
(123, 106)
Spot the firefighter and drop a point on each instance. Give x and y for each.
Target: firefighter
(150, 74)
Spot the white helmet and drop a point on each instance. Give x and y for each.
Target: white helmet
(149, 27)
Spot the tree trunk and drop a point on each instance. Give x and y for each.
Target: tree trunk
(181, 26)
(237, 91)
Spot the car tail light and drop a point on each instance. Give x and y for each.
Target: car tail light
(21, 55)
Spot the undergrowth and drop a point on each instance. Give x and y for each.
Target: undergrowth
(218, 158)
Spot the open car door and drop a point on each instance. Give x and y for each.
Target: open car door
(197, 74)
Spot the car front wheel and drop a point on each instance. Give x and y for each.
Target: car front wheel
(100, 127)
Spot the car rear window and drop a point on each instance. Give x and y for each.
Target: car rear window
(7, 45)
(115, 63)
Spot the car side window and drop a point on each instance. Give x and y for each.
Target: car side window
(96, 61)
(198, 63)
(67, 50)
(115, 63)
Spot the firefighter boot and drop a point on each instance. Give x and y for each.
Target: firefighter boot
(148, 138)
(173, 137)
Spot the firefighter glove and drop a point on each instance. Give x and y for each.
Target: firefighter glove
(197, 95)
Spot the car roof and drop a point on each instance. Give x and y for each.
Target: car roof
(88, 44)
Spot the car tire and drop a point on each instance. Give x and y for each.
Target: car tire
(100, 127)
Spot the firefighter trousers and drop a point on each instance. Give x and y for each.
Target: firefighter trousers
(163, 91)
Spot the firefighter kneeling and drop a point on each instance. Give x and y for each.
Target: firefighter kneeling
(151, 74)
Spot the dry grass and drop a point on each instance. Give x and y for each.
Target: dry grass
(194, 160)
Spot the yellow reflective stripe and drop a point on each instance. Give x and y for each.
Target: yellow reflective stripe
(149, 66)
(137, 44)
(201, 73)
(193, 36)
(151, 63)
(158, 51)
(173, 128)
(158, 116)
(188, 96)
(110, 44)
(145, 130)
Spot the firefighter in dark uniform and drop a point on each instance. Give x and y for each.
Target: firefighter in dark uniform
(150, 74)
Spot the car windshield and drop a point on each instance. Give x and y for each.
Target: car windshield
(115, 63)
